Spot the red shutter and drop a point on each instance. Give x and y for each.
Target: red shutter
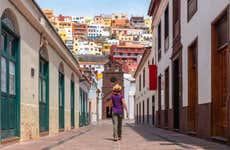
(152, 77)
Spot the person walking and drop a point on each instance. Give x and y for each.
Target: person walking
(118, 105)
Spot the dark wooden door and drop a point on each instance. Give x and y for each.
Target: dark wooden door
(220, 75)
(176, 96)
(153, 110)
(147, 111)
(166, 96)
(192, 86)
(159, 101)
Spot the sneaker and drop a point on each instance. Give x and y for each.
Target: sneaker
(115, 139)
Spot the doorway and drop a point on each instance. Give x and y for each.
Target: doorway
(108, 112)
(220, 75)
(176, 96)
(153, 110)
(192, 85)
(10, 83)
(43, 95)
(166, 96)
(159, 101)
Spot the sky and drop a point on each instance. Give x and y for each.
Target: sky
(90, 8)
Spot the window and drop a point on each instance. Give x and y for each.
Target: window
(222, 31)
(3, 74)
(159, 41)
(167, 28)
(176, 18)
(192, 8)
(144, 78)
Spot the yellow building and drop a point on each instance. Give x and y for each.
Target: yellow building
(98, 20)
(88, 20)
(63, 34)
(148, 23)
(107, 22)
(106, 48)
(125, 37)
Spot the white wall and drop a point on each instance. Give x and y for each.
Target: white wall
(200, 26)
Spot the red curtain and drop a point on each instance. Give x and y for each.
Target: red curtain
(152, 77)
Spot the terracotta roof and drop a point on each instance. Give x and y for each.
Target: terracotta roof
(129, 46)
(96, 63)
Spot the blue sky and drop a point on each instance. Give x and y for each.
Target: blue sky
(89, 8)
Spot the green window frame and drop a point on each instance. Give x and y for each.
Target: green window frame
(72, 103)
(10, 82)
(43, 95)
(61, 101)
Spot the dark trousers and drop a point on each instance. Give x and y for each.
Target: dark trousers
(117, 124)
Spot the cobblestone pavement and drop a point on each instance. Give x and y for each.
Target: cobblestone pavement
(134, 138)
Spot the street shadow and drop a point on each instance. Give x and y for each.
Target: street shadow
(166, 137)
(109, 139)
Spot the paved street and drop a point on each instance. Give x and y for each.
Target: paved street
(134, 138)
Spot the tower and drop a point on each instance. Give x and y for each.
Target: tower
(112, 75)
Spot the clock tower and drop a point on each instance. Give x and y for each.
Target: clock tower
(112, 75)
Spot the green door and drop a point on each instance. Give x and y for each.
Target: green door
(61, 100)
(72, 104)
(80, 108)
(9, 68)
(43, 96)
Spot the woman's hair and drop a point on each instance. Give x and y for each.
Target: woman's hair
(117, 89)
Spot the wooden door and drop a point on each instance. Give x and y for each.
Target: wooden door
(176, 94)
(220, 74)
(166, 96)
(153, 110)
(159, 100)
(192, 86)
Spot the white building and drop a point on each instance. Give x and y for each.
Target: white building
(41, 84)
(191, 44)
(145, 99)
(80, 20)
(88, 48)
(97, 30)
(113, 41)
(129, 93)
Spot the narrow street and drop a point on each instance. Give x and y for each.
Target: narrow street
(134, 138)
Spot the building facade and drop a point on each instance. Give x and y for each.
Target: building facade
(127, 53)
(84, 107)
(112, 75)
(129, 93)
(80, 30)
(137, 21)
(145, 97)
(39, 75)
(193, 72)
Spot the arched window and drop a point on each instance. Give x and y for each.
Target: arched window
(8, 19)
(10, 80)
